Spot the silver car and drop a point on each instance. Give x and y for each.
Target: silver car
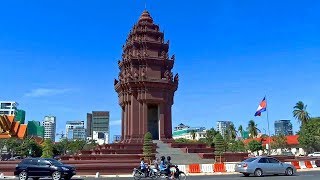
(260, 166)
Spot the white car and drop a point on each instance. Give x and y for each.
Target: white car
(316, 154)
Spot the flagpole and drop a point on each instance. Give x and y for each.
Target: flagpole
(269, 146)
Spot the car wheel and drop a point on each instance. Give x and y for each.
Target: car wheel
(246, 174)
(56, 175)
(258, 172)
(289, 171)
(23, 175)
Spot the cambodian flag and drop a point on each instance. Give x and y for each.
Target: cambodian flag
(262, 107)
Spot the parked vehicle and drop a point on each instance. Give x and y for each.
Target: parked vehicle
(287, 153)
(15, 158)
(316, 154)
(263, 165)
(41, 167)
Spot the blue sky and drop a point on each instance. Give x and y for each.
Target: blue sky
(60, 57)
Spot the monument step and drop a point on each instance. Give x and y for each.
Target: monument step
(178, 156)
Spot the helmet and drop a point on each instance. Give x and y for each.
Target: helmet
(168, 158)
(163, 158)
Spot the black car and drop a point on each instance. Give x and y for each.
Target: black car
(41, 167)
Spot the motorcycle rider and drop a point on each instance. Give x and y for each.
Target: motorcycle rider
(170, 168)
(156, 163)
(163, 164)
(143, 167)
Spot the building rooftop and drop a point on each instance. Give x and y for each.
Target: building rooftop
(291, 140)
(11, 128)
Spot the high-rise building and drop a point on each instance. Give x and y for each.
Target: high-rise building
(34, 128)
(89, 124)
(49, 124)
(283, 127)
(222, 127)
(8, 108)
(99, 126)
(20, 116)
(75, 130)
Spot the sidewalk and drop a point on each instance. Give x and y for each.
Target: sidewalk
(188, 174)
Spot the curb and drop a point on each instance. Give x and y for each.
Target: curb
(188, 174)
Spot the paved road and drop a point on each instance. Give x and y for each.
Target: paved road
(310, 175)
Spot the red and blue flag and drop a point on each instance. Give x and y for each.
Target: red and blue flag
(262, 107)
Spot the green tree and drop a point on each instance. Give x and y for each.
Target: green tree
(92, 143)
(30, 148)
(219, 146)
(2, 144)
(147, 146)
(236, 146)
(57, 149)
(61, 147)
(300, 112)
(210, 134)
(184, 140)
(202, 140)
(253, 129)
(65, 146)
(232, 132)
(309, 137)
(76, 145)
(193, 134)
(255, 146)
(279, 142)
(13, 145)
(47, 151)
(240, 130)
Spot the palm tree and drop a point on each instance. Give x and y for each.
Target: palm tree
(252, 128)
(300, 113)
(240, 130)
(232, 131)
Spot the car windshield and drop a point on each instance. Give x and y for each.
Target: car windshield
(250, 160)
(55, 162)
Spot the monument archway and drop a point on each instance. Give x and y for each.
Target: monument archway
(153, 120)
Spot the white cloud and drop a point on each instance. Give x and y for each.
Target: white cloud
(46, 92)
(115, 123)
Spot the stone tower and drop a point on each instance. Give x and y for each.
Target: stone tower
(145, 84)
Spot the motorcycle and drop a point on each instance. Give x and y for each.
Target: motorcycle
(149, 173)
(177, 173)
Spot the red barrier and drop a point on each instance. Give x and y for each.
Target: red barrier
(219, 167)
(194, 168)
(308, 164)
(296, 164)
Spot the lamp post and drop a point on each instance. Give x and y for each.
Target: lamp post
(267, 145)
(265, 132)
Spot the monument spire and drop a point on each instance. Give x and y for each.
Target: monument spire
(146, 84)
